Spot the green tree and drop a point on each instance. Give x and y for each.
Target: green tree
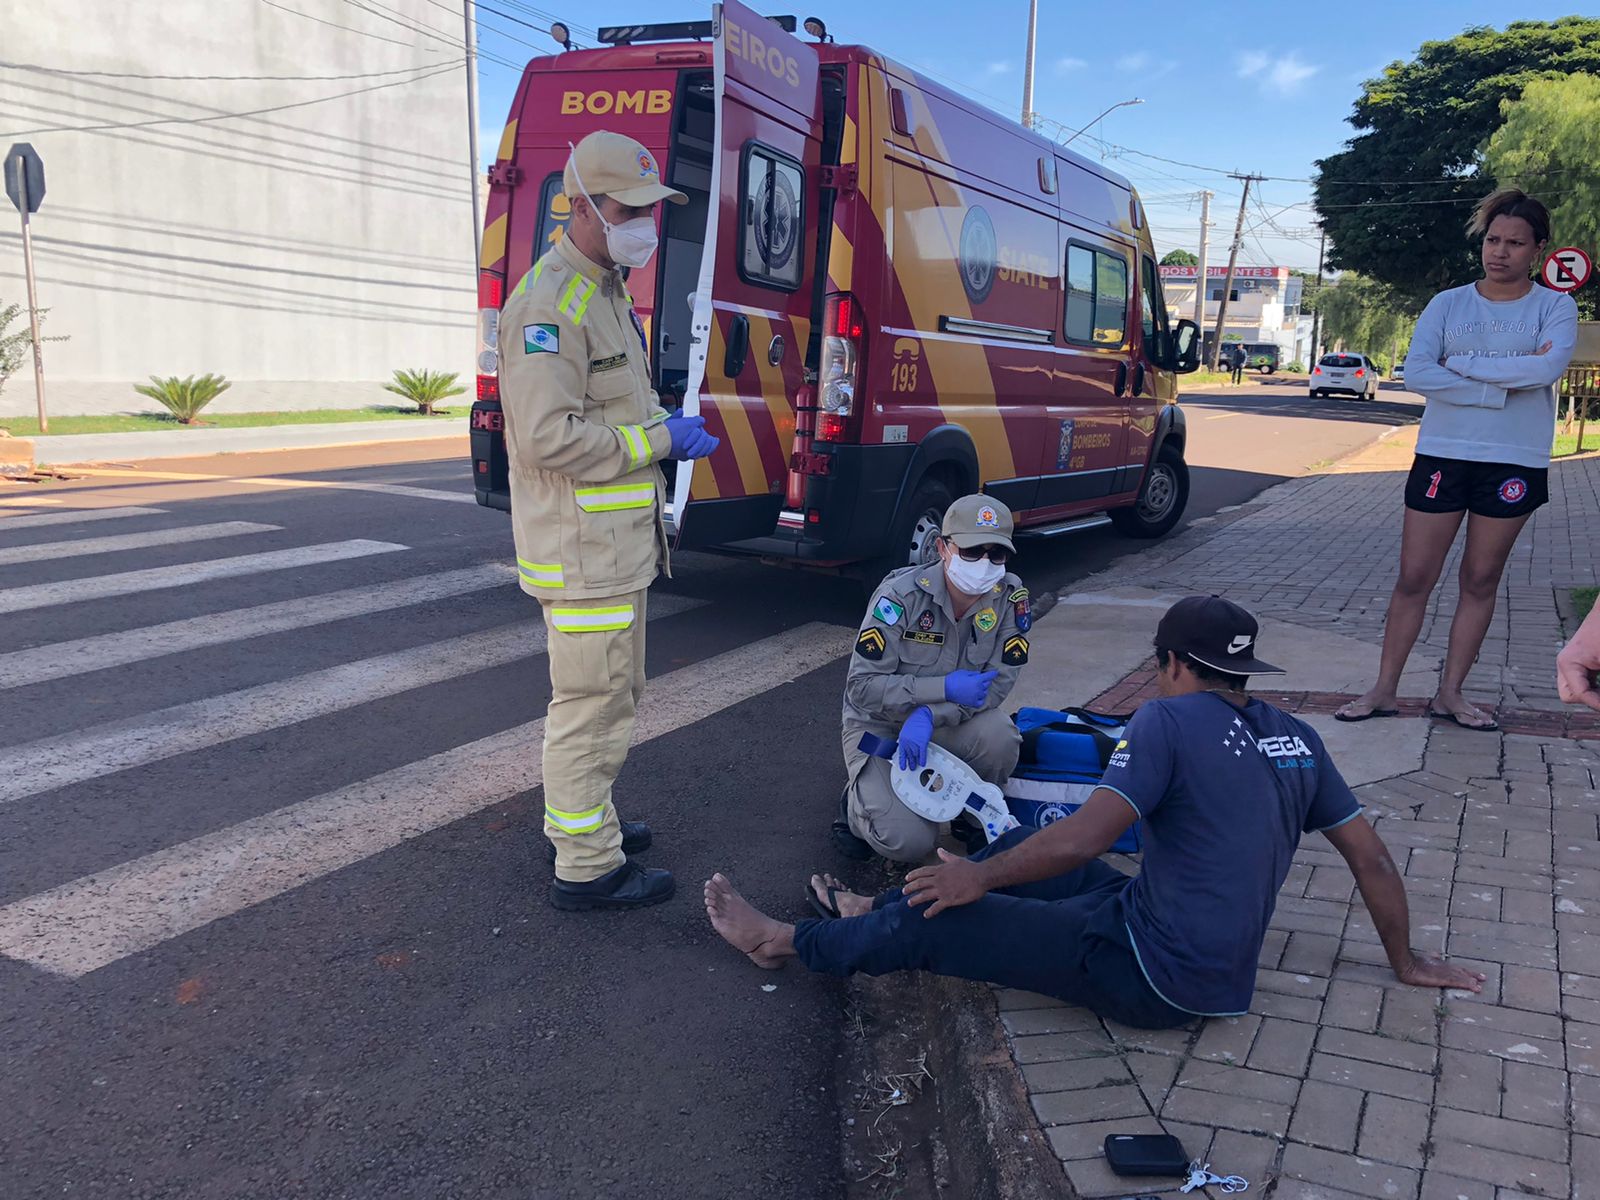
(1179, 258)
(1394, 202)
(1553, 132)
(1361, 314)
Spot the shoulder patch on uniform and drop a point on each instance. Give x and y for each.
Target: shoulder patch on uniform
(986, 620)
(871, 644)
(888, 611)
(923, 637)
(1015, 652)
(541, 339)
(609, 364)
(1019, 594)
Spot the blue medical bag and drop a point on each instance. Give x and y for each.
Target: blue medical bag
(1064, 754)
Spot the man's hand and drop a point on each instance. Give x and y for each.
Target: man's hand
(954, 882)
(689, 437)
(1423, 970)
(914, 735)
(970, 689)
(1577, 663)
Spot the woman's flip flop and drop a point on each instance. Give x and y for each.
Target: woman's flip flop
(1367, 716)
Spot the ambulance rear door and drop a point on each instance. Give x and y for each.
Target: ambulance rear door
(752, 304)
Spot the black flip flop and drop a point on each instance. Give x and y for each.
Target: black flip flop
(828, 910)
(1492, 727)
(1377, 712)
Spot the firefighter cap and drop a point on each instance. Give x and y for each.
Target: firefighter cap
(612, 164)
(979, 520)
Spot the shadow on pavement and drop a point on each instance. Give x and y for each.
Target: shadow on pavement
(1391, 410)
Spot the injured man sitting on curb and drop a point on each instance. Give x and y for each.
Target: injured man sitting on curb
(1225, 785)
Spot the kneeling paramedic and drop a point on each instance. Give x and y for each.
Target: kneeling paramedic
(1225, 785)
(936, 656)
(585, 435)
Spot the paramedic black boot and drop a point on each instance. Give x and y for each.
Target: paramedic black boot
(636, 839)
(629, 886)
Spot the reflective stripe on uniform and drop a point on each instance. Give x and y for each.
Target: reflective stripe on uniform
(609, 499)
(522, 284)
(548, 575)
(638, 443)
(591, 620)
(575, 300)
(581, 822)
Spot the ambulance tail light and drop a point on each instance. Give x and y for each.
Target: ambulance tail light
(839, 372)
(491, 294)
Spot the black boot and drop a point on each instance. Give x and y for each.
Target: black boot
(636, 839)
(844, 839)
(629, 886)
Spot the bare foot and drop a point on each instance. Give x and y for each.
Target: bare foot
(850, 904)
(1470, 716)
(1363, 707)
(767, 943)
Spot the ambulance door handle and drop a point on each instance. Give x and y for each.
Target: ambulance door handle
(1138, 380)
(738, 346)
(1122, 378)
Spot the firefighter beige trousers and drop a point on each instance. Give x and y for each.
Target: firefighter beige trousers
(989, 743)
(596, 679)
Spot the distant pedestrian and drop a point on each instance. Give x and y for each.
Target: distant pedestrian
(1486, 357)
(1240, 357)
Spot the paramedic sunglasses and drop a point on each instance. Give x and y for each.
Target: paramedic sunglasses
(995, 554)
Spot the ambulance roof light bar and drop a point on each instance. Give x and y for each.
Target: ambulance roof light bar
(671, 31)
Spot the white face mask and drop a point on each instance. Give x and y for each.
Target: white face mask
(630, 244)
(973, 578)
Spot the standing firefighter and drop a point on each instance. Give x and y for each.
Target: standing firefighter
(585, 433)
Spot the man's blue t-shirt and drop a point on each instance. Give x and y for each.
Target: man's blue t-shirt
(1225, 793)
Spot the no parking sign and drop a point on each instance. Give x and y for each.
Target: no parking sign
(1568, 269)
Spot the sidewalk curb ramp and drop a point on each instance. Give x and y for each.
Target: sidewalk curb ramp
(195, 443)
(970, 1134)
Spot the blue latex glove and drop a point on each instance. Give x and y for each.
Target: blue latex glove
(914, 735)
(970, 689)
(689, 438)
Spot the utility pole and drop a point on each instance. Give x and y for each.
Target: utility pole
(1200, 270)
(1233, 265)
(1316, 313)
(1027, 70)
(470, 14)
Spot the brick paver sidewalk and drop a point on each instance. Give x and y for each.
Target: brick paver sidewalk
(1341, 1081)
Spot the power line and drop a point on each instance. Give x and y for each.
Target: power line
(229, 116)
(550, 16)
(377, 37)
(428, 31)
(213, 78)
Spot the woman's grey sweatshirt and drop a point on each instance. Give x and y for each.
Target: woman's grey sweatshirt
(1490, 397)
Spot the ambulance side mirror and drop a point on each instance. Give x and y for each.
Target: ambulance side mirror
(1185, 348)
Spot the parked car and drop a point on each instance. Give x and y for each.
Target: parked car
(1399, 372)
(1353, 374)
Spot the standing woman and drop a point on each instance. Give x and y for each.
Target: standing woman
(1487, 358)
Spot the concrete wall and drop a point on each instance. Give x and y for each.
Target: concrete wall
(303, 253)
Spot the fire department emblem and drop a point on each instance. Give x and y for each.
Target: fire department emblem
(1512, 491)
(978, 253)
(988, 518)
(647, 165)
(925, 621)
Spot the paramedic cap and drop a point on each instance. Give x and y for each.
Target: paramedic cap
(1214, 632)
(978, 520)
(611, 164)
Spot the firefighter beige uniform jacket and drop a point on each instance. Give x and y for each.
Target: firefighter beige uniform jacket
(909, 641)
(584, 432)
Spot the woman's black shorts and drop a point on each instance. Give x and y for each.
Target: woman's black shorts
(1448, 485)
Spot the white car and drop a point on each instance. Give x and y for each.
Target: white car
(1354, 374)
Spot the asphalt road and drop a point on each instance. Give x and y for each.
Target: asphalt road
(272, 918)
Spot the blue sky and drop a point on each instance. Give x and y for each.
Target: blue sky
(1241, 86)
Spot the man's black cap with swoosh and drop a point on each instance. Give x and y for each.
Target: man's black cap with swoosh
(1214, 632)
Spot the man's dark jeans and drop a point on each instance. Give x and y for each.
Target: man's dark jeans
(1063, 937)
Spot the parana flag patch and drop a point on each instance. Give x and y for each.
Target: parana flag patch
(541, 339)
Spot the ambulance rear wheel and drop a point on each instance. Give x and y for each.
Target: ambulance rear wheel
(914, 540)
(1161, 501)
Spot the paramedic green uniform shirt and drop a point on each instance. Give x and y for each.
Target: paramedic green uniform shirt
(1225, 793)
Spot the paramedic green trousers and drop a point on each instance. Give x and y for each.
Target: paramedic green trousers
(988, 743)
(596, 650)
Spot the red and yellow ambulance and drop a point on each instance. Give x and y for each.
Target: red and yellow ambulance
(881, 296)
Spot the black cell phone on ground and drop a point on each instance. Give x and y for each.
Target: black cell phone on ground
(1146, 1154)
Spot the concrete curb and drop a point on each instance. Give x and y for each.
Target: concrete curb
(191, 443)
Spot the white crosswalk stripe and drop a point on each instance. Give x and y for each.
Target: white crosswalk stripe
(40, 766)
(82, 547)
(126, 583)
(35, 520)
(60, 660)
(91, 922)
